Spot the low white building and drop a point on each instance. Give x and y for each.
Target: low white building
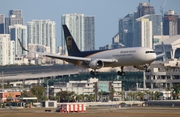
(172, 47)
(90, 86)
(20, 60)
(79, 87)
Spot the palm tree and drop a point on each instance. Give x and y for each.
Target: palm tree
(86, 97)
(130, 95)
(157, 95)
(122, 94)
(82, 97)
(77, 97)
(100, 93)
(92, 97)
(140, 95)
(148, 94)
(133, 95)
(112, 94)
(65, 96)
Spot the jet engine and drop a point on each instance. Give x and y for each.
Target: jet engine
(140, 67)
(96, 64)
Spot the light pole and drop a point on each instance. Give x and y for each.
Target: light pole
(2, 87)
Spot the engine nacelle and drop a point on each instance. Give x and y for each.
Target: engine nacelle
(96, 64)
(140, 67)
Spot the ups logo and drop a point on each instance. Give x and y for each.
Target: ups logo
(69, 42)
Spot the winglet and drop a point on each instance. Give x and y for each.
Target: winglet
(22, 46)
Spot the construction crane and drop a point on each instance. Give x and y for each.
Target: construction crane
(162, 8)
(162, 14)
(149, 6)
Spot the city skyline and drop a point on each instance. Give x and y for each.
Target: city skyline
(106, 16)
(82, 30)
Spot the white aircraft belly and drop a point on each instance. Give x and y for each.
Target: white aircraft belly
(123, 59)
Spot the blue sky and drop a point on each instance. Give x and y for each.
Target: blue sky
(106, 12)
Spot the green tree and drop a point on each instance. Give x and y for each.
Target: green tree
(148, 94)
(86, 97)
(168, 89)
(157, 95)
(111, 96)
(91, 97)
(176, 91)
(100, 93)
(82, 96)
(66, 96)
(78, 98)
(38, 91)
(122, 94)
(140, 95)
(27, 94)
(130, 95)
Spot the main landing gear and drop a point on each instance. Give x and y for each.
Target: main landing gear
(121, 73)
(94, 72)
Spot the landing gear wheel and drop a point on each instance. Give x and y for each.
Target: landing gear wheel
(121, 73)
(94, 73)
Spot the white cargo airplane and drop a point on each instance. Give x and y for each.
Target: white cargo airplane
(139, 57)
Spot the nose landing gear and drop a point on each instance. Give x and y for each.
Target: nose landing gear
(147, 69)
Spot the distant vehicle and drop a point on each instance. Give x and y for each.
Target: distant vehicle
(139, 57)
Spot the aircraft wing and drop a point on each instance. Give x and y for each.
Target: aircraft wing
(160, 55)
(71, 59)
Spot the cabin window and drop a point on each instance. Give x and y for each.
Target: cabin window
(149, 52)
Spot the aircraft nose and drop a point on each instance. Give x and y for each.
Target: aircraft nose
(153, 57)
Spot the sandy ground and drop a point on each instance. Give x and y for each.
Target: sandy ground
(95, 112)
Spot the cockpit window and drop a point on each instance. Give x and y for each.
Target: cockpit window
(149, 52)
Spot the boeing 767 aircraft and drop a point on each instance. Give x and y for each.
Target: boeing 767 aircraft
(139, 57)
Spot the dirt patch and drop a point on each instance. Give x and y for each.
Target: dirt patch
(95, 112)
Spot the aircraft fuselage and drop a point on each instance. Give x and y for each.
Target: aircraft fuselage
(125, 56)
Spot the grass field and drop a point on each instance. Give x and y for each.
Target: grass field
(95, 112)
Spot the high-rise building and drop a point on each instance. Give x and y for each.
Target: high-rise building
(1, 24)
(170, 23)
(7, 55)
(126, 27)
(145, 8)
(89, 36)
(179, 25)
(81, 28)
(116, 39)
(75, 23)
(15, 17)
(156, 23)
(42, 32)
(18, 31)
(143, 33)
